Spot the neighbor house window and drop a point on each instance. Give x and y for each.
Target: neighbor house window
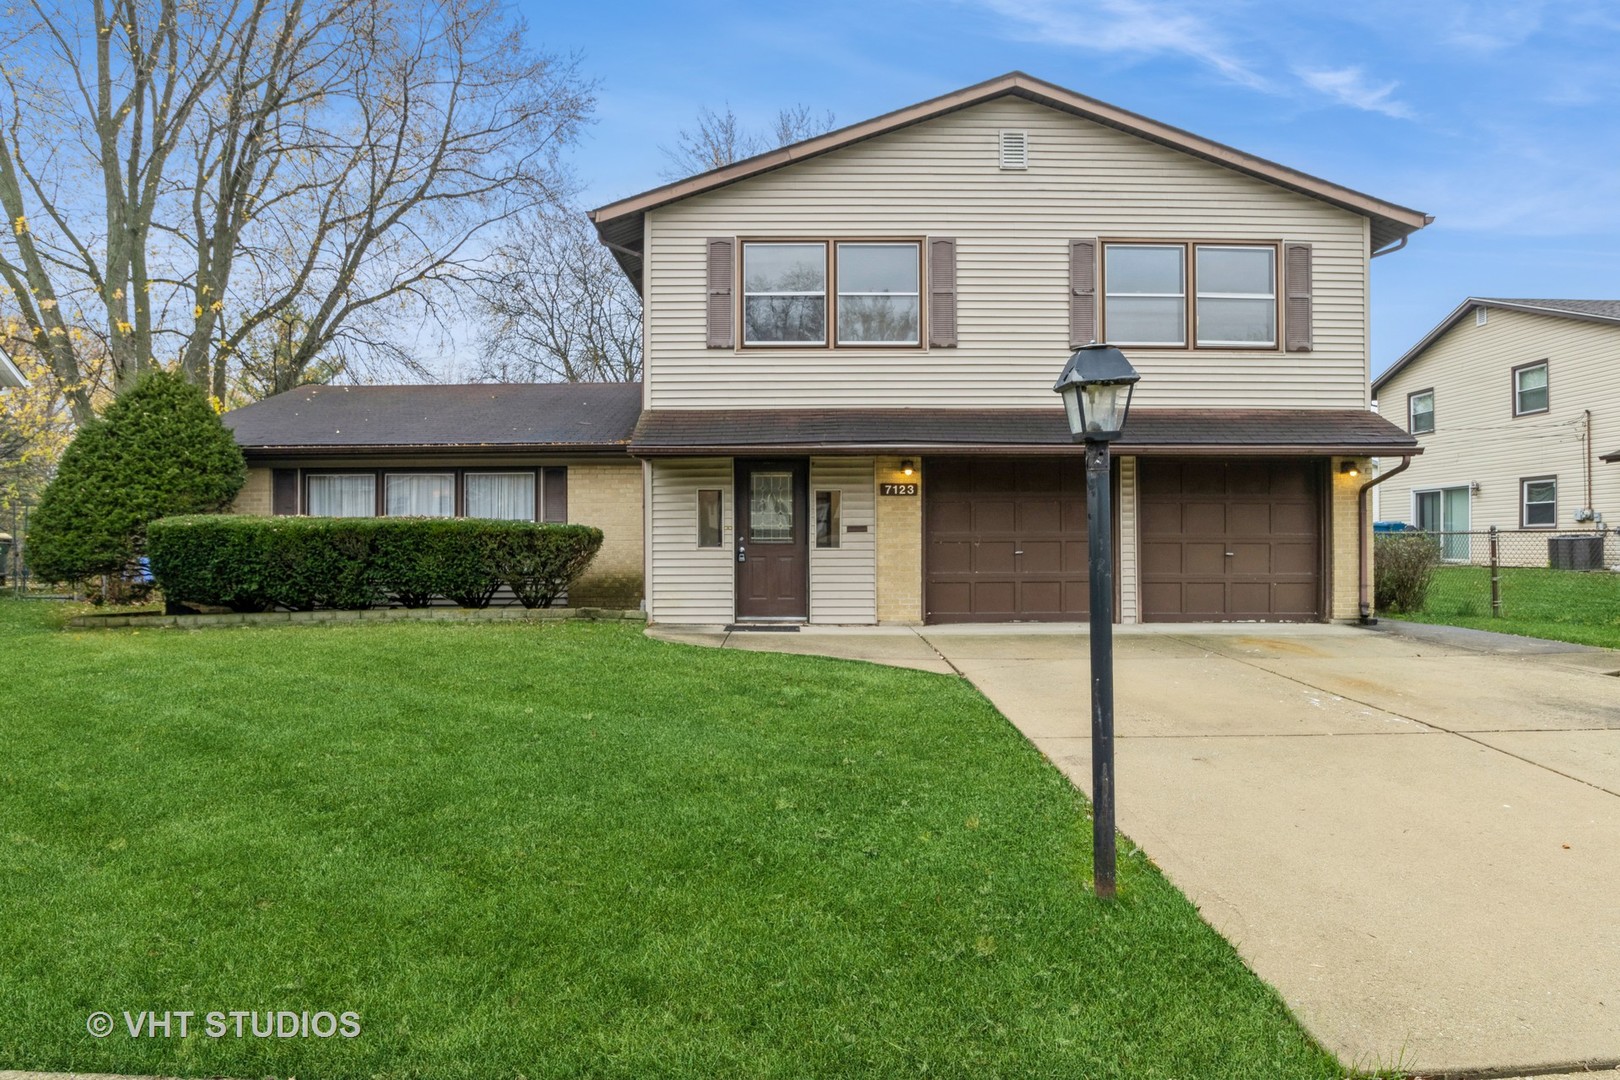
(419, 494)
(784, 294)
(829, 518)
(341, 494)
(708, 518)
(1237, 296)
(1145, 301)
(500, 496)
(1538, 498)
(1530, 389)
(878, 300)
(1420, 412)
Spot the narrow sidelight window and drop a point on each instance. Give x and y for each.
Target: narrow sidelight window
(419, 494)
(1530, 389)
(708, 518)
(785, 294)
(1145, 294)
(878, 297)
(1237, 296)
(341, 495)
(501, 496)
(1420, 412)
(1539, 502)
(829, 518)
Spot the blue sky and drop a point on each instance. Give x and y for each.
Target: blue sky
(1502, 119)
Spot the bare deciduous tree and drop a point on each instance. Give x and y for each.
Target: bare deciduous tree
(718, 138)
(175, 175)
(557, 307)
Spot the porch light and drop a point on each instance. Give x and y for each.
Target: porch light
(1096, 385)
(907, 467)
(1348, 468)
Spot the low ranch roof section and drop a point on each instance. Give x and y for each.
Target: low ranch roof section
(619, 224)
(498, 417)
(1249, 432)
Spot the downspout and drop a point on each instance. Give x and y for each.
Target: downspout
(1364, 579)
(1392, 249)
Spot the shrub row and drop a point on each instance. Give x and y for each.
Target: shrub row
(302, 563)
(1403, 568)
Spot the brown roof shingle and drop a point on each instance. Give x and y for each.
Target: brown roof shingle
(582, 416)
(1321, 431)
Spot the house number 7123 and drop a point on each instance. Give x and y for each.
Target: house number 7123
(897, 489)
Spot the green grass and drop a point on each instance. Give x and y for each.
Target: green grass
(568, 850)
(1536, 602)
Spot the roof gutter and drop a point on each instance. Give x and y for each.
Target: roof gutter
(1392, 248)
(1363, 566)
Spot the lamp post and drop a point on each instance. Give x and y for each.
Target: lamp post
(1096, 385)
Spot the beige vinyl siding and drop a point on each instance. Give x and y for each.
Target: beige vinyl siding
(1012, 232)
(1476, 437)
(1127, 568)
(690, 584)
(843, 580)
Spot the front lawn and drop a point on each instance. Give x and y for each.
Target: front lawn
(568, 850)
(1562, 605)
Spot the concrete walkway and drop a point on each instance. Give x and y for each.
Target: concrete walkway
(1414, 834)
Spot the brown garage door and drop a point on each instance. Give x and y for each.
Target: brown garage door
(1230, 540)
(1006, 539)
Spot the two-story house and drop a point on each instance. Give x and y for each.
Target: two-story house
(851, 342)
(1515, 403)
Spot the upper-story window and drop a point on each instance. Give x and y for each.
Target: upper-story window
(1420, 412)
(1530, 388)
(875, 299)
(1233, 288)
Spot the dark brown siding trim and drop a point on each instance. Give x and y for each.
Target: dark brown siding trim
(1513, 388)
(1122, 448)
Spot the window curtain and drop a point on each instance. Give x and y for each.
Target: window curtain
(343, 495)
(502, 496)
(419, 495)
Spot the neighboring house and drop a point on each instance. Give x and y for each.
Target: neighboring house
(1513, 402)
(851, 344)
(553, 452)
(9, 375)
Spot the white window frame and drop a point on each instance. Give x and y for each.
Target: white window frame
(828, 330)
(1109, 293)
(839, 294)
(1525, 503)
(1200, 294)
(1411, 413)
(1518, 391)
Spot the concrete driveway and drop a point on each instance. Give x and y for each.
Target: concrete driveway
(1413, 833)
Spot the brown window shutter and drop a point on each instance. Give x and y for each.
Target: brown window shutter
(1297, 332)
(722, 261)
(284, 492)
(554, 506)
(1082, 292)
(942, 292)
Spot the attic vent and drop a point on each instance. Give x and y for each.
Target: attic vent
(1479, 316)
(1015, 149)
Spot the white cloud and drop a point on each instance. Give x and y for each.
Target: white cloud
(1350, 86)
(1139, 27)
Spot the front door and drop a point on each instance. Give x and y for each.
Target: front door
(773, 552)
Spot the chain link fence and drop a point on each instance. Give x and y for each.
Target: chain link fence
(1534, 575)
(14, 574)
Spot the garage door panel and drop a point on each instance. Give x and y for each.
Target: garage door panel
(1021, 523)
(1266, 512)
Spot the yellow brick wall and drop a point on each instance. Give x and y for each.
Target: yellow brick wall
(609, 497)
(899, 546)
(1344, 586)
(254, 498)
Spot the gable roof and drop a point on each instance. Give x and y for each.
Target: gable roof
(10, 375)
(474, 417)
(619, 224)
(1606, 311)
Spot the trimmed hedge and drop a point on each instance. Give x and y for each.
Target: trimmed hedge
(303, 563)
